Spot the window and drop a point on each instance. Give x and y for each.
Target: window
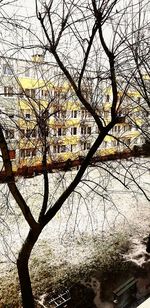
(22, 153)
(139, 100)
(27, 153)
(83, 113)
(56, 95)
(10, 134)
(59, 149)
(28, 133)
(44, 94)
(54, 149)
(63, 148)
(74, 113)
(85, 130)
(21, 93)
(124, 128)
(34, 152)
(86, 146)
(27, 72)
(107, 98)
(114, 129)
(105, 144)
(30, 93)
(27, 92)
(73, 147)
(89, 130)
(61, 131)
(64, 114)
(60, 114)
(73, 130)
(8, 91)
(12, 154)
(7, 69)
(64, 96)
(27, 115)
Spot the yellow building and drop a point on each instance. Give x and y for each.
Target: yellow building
(41, 113)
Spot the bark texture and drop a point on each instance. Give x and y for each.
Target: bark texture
(23, 269)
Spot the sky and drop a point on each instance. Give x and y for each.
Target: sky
(25, 9)
(17, 10)
(20, 7)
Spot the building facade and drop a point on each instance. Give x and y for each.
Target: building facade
(39, 111)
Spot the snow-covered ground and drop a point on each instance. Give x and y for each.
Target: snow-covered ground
(100, 204)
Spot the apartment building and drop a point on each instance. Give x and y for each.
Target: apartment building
(127, 133)
(39, 111)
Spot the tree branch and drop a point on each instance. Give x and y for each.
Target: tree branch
(70, 79)
(52, 211)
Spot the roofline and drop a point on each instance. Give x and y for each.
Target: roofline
(26, 60)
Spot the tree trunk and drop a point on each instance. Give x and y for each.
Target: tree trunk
(23, 270)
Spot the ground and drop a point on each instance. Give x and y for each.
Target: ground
(100, 215)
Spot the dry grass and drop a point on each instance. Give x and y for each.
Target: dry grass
(9, 291)
(107, 255)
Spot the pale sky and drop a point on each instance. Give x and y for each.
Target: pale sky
(26, 10)
(19, 10)
(21, 7)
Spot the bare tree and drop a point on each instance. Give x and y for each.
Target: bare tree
(76, 35)
(134, 37)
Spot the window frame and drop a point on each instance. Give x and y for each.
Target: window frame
(7, 69)
(8, 91)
